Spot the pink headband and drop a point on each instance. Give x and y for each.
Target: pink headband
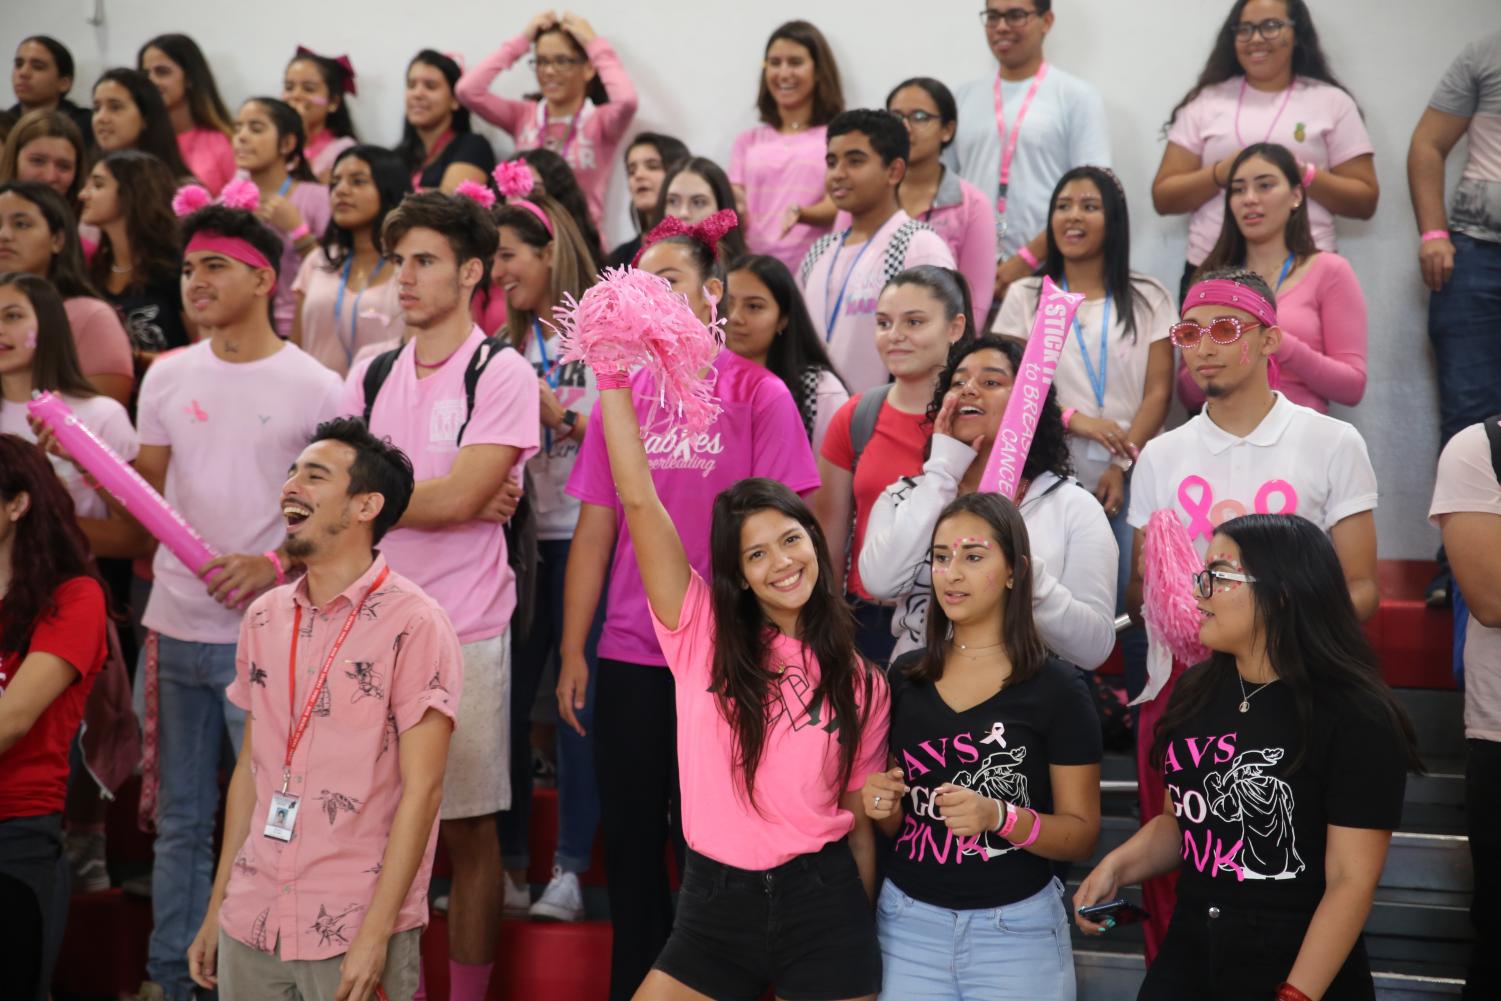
(232, 247)
(1223, 292)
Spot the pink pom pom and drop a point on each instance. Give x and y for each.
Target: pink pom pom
(1168, 561)
(475, 191)
(633, 318)
(189, 199)
(514, 179)
(240, 193)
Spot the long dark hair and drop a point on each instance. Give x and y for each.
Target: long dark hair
(741, 678)
(1119, 283)
(1230, 249)
(797, 349)
(65, 271)
(410, 149)
(339, 122)
(55, 366)
(595, 89)
(1314, 640)
(200, 90)
(157, 137)
(828, 93)
(393, 182)
(145, 187)
(60, 56)
(732, 244)
(49, 548)
(670, 149)
(1024, 646)
(1049, 452)
(288, 122)
(562, 185)
(1309, 60)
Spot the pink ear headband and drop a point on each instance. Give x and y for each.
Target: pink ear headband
(709, 232)
(239, 193)
(1223, 292)
(514, 180)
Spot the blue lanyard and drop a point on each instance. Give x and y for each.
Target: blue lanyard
(831, 316)
(1096, 379)
(550, 372)
(1287, 266)
(286, 186)
(354, 321)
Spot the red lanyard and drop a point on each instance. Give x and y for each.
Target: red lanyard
(1008, 139)
(431, 158)
(295, 737)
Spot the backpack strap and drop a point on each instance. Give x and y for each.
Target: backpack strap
(820, 246)
(487, 350)
(895, 261)
(375, 377)
(1493, 435)
(863, 421)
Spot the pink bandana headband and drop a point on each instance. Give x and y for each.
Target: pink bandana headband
(232, 247)
(514, 180)
(1223, 292)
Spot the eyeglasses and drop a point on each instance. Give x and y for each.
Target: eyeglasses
(914, 118)
(1204, 580)
(1015, 17)
(563, 63)
(1221, 330)
(1271, 29)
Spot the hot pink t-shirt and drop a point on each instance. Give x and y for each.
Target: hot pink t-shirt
(101, 341)
(1320, 125)
(797, 808)
(758, 433)
(400, 659)
(234, 429)
(209, 155)
(462, 567)
(777, 170)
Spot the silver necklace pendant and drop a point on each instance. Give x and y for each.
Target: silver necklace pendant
(1245, 705)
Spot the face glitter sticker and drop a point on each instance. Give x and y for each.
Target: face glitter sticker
(969, 540)
(30, 341)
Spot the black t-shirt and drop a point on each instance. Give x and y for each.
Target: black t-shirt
(1254, 832)
(152, 316)
(466, 147)
(1000, 748)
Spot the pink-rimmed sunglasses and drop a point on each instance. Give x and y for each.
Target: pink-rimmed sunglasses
(1221, 330)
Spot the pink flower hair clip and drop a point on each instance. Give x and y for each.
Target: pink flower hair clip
(477, 192)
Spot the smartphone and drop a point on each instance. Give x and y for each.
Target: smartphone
(1124, 912)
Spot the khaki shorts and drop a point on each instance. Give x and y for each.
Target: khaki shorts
(247, 974)
(478, 779)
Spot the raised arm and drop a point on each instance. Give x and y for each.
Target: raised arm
(1075, 610)
(663, 562)
(473, 88)
(615, 117)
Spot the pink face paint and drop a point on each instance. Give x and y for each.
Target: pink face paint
(30, 341)
(316, 100)
(972, 541)
(1245, 350)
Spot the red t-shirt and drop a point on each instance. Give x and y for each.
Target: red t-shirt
(34, 772)
(895, 450)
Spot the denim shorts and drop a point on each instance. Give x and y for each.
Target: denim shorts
(804, 928)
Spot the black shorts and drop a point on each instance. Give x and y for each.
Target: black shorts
(805, 928)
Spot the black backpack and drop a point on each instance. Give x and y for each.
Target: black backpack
(521, 529)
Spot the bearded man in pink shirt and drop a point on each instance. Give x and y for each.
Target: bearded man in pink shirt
(351, 678)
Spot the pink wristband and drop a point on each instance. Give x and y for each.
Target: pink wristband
(1434, 234)
(298, 233)
(1034, 832)
(1008, 824)
(1068, 416)
(612, 380)
(281, 573)
(1308, 171)
(1025, 253)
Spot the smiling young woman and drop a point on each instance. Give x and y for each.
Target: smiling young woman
(438, 144)
(199, 117)
(320, 88)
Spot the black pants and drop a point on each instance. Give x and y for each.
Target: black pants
(635, 756)
(1237, 954)
(34, 881)
(1483, 809)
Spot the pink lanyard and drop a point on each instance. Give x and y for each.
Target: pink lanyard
(1286, 96)
(1008, 139)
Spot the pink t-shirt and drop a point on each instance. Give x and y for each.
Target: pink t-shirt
(1323, 353)
(965, 218)
(796, 810)
(323, 149)
(400, 659)
(334, 331)
(463, 567)
(777, 170)
(758, 433)
(312, 204)
(234, 429)
(209, 155)
(588, 142)
(1320, 125)
(101, 341)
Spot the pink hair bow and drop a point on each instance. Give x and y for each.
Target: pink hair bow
(346, 68)
(709, 232)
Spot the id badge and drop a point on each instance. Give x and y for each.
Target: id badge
(282, 816)
(1096, 452)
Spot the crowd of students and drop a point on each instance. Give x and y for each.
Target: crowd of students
(822, 685)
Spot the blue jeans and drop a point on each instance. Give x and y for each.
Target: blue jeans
(192, 716)
(578, 791)
(1464, 324)
(1019, 952)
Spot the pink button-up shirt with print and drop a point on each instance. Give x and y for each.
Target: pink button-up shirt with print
(400, 659)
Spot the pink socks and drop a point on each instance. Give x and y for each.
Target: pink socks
(468, 981)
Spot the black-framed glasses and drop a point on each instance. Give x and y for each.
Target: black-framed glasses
(914, 118)
(1015, 17)
(1270, 29)
(1204, 580)
(555, 62)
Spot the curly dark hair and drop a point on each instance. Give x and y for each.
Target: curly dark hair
(1049, 452)
(146, 187)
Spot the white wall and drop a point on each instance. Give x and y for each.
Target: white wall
(695, 65)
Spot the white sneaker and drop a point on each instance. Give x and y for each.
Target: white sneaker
(518, 899)
(440, 903)
(562, 900)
